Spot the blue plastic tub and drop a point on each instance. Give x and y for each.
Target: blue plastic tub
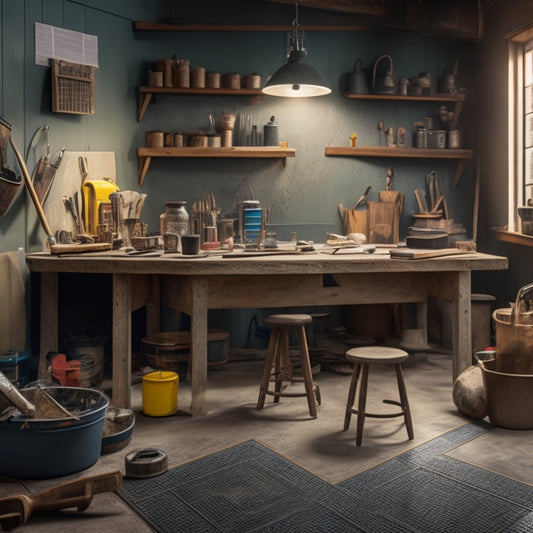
(41, 448)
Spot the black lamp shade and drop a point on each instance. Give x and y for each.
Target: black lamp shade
(296, 79)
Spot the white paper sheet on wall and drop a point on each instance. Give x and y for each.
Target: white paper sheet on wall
(52, 42)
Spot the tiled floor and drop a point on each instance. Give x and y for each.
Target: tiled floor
(318, 445)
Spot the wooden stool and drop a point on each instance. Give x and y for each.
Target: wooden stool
(278, 360)
(362, 358)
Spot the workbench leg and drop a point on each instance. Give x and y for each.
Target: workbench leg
(153, 317)
(198, 347)
(49, 318)
(422, 318)
(462, 325)
(122, 304)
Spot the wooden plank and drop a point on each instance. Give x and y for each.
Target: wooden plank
(155, 26)
(234, 151)
(153, 306)
(199, 289)
(438, 97)
(461, 321)
(147, 90)
(121, 339)
(241, 292)
(384, 151)
(49, 318)
(416, 253)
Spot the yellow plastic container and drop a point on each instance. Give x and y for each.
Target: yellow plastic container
(160, 393)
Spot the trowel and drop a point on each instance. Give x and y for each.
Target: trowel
(45, 171)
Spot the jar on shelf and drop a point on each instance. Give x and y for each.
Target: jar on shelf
(174, 219)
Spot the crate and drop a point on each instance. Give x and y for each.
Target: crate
(72, 88)
(166, 350)
(16, 367)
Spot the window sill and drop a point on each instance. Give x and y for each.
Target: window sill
(514, 237)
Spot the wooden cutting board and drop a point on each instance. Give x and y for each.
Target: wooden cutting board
(354, 221)
(412, 253)
(382, 221)
(396, 198)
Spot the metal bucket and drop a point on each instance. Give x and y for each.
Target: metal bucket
(509, 397)
(514, 335)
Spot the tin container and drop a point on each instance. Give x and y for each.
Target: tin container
(436, 139)
(420, 137)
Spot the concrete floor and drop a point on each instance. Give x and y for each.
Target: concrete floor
(318, 445)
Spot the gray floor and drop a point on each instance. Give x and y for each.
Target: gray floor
(318, 445)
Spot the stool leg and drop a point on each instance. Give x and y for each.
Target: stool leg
(282, 362)
(306, 369)
(361, 408)
(267, 369)
(351, 395)
(404, 401)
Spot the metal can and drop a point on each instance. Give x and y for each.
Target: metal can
(420, 138)
(436, 139)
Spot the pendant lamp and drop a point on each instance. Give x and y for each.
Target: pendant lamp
(296, 79)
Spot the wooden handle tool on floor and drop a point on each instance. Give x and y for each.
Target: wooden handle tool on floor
(16, 510)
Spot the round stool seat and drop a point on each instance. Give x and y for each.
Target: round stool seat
(376, 355)
(288, 320)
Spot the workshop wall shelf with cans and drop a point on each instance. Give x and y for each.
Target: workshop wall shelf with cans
(145, 154)
(460, 154)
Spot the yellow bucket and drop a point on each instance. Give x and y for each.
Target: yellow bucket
(160, 393)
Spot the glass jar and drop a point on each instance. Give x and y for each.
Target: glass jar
(174, 219)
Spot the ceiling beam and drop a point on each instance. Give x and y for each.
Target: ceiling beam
(456, 19)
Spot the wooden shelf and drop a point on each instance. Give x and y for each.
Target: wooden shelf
(439, 97)
(513, 237)
(146, 93)
(157, 26)
(414, 153)
(457, 98)
(145, 155)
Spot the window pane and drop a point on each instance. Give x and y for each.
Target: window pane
(528, 167)
(528, 67)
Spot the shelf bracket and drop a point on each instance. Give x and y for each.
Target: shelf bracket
(144, 100)
(144, 164)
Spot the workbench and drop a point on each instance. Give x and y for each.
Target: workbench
(194, 285)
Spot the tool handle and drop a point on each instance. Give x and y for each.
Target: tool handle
(77, 493)
(15, 397)
(31, 190)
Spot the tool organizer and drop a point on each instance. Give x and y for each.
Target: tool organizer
(72, 88)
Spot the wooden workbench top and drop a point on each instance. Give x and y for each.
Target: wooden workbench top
(114, 262)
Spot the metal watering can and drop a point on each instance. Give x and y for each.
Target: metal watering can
(385, 82)
(357, 80)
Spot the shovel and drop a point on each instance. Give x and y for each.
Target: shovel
(16, 510)
(45, 171)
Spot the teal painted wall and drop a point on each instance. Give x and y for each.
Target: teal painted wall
(303, 195)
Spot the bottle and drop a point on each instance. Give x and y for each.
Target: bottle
(174, 219)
